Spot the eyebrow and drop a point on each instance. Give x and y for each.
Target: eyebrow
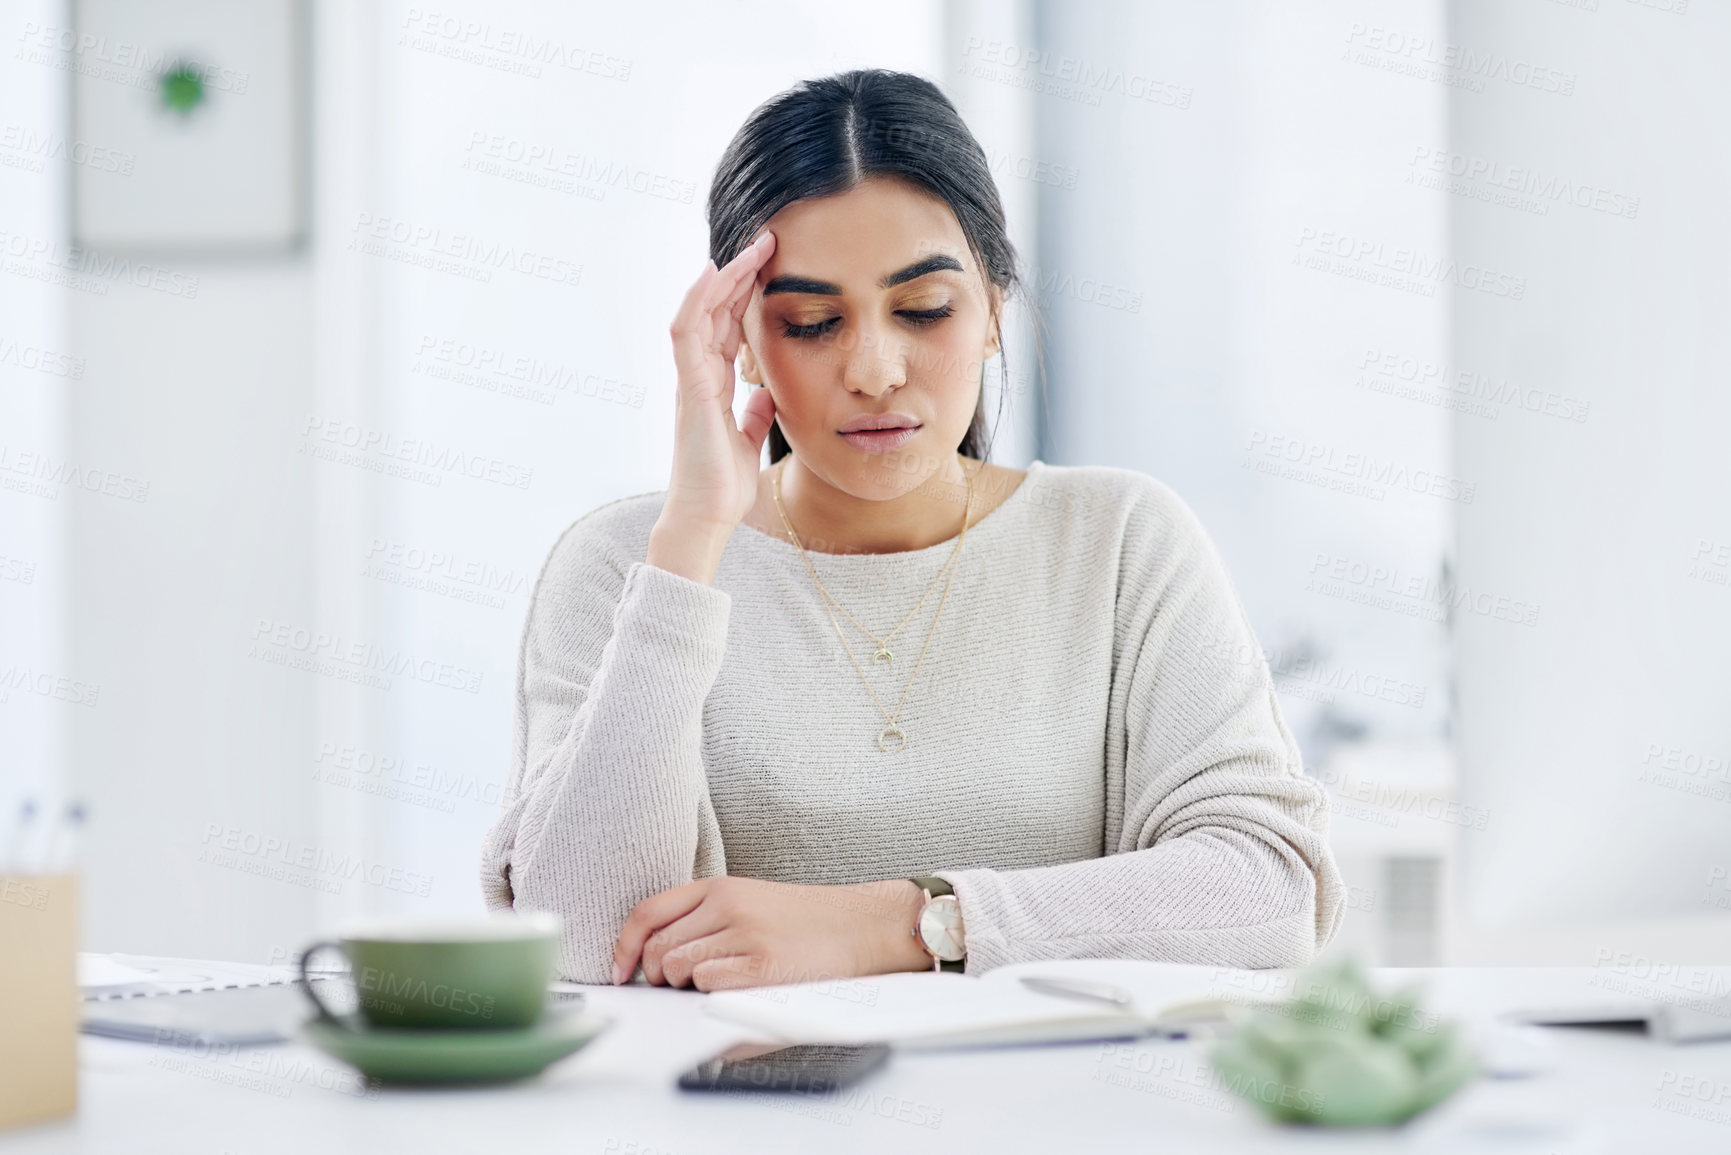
(788, 283)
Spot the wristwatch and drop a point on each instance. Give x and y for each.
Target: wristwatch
(939, 926)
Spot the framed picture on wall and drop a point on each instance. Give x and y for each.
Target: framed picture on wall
(196, 108)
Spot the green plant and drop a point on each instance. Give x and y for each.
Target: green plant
(1340, 1053)
(182, 89)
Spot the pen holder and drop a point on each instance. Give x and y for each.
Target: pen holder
(38, 998)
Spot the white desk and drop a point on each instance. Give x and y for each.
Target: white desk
(1609, 1092)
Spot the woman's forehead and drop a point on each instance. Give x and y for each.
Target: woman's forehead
(871, 230)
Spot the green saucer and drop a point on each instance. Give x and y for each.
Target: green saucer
(454, 1056)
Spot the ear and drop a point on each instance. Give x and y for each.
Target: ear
(749, 369)
(994, 336)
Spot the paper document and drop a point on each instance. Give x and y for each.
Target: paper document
(113, 975)
(931, 1009)
(100, 972)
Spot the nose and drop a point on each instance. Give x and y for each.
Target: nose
(876, 363)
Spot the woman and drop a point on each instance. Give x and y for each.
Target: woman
(882, 706)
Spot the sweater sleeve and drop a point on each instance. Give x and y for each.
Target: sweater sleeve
(1217, 849)
(608, 800)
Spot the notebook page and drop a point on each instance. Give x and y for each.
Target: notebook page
(1160, 987)
(908, 1005)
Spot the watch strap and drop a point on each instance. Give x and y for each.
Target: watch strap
(934, 887)
(932, 883)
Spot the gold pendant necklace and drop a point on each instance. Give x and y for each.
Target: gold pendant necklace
(891, 733)
(883, 652)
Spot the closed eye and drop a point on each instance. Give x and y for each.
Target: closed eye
(925, 316)
(916, 317)
(816, 329)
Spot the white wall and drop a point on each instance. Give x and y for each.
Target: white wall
(1587, 737)
(1258, 147)
(201, 807)
(194, 739)
(1002, 118)
(42, 695)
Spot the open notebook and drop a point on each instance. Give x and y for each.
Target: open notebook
(927, 1009)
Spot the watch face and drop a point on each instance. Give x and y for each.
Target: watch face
(941, 928)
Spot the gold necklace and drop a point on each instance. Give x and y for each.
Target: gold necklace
(891, 731)
(882, 654)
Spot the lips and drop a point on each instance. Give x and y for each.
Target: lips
(881, 440)
(879, 432)
(868, 422)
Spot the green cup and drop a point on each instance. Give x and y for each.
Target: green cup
(484, 973)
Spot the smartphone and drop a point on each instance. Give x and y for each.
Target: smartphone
(808, 1067)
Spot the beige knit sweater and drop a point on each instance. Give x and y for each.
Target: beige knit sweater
(1095, 759)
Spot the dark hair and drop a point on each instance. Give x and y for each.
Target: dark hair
(825, 136)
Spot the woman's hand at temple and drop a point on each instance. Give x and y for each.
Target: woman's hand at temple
(715, 460)
(725, 931)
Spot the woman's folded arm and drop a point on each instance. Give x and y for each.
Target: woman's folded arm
(1228, 893)
(609, 802)
(1216, 841)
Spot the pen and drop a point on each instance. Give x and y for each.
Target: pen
(1174, 1022)
(1079, 989)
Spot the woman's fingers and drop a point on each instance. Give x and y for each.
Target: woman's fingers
(751, 258)
(736, 277)
(704, 322)
(688, 340)
(732, 292)
(678, 966)
(759, 414)
(695, 924)
(692, 305)
(727, 972)
(732, 333)
(649, 916)
(728, 316)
